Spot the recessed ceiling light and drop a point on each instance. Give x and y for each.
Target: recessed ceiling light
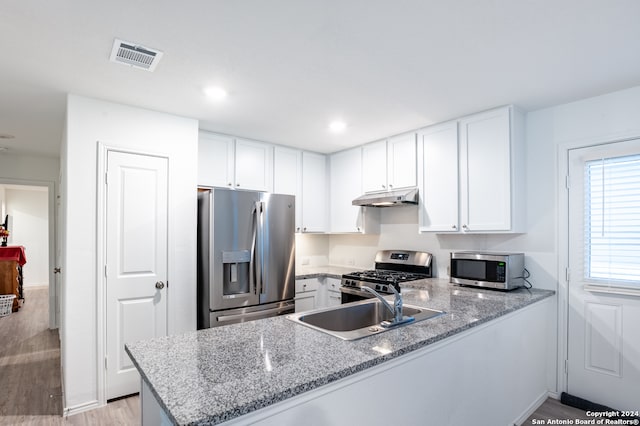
(6, 136)
(337, 126)
(215, 93)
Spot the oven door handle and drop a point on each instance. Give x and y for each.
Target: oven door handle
(356, 292)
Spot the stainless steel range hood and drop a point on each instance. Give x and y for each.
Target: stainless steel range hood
(397, 197)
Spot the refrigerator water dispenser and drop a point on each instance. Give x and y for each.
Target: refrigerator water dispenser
(235, 267)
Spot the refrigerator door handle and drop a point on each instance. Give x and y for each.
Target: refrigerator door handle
(223, 318)
(252, 259)
(260, 248)
(255, 264)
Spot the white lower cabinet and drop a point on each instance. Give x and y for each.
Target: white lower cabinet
(334, 296)
(307, 294)
(317, 293)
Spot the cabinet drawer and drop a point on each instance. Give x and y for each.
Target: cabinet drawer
(334, 284)
(309, 284)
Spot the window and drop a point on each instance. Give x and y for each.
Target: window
(612, 222)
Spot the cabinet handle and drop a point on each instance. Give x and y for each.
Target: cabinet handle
(159, 285)
(237, 184)
(304, 229)
(390, 186)
(230, 184)
(298, 229)
(358, 229)
(465, 227)
(454, 227)
(384, 186)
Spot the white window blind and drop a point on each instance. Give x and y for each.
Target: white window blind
(612, 222)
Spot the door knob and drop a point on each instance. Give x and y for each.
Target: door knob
(159, 285)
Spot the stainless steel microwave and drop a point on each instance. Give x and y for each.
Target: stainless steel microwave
(504, 271)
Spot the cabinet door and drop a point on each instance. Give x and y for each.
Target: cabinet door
(314, 192)
(215, 160)
(345, 185)
(374, 167)
(254, 165)
(307, 294)
(485, 171)
(305, 301)
(401, 161)
(335, 298)
(287, 177)
(438, 183)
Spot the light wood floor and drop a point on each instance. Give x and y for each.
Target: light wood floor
(30, 386)
(30, 390)
(553, 409)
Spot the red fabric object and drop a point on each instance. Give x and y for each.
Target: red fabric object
(13, 253)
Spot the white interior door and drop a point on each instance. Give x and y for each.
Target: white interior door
(604, 264)
(136, 236)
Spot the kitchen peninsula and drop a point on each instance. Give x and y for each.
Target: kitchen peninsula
(455, 369)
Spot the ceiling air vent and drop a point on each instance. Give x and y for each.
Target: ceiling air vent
(135, 55)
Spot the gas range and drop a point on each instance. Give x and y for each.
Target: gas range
(392, 267)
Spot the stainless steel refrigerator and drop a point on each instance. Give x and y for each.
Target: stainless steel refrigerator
(246, 256)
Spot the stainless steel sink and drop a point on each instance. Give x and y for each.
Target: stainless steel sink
(358, 319)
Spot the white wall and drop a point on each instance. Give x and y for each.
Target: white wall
(90, 121)
(29, 227)
(312, 250)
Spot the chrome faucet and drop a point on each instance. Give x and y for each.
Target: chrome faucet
(396, 310)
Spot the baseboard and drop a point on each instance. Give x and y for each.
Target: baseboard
(35, 286)
(532, 408)
(81, 408)
(554, 395)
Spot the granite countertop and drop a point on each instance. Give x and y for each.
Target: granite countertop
(324, 271)
(214, 375)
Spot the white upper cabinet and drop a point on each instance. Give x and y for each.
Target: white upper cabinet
(401, 161)
(486, 171)
(490, 169)
(314, 192)
(374, 167)
(215, 160)
(287, 177)
(389, 165)
(254, 165)
(438, 183)
(345, 184)
(239, 163)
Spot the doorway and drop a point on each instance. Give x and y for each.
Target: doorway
(603, 302)
(29, 207)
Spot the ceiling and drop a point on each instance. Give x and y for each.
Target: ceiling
(292, 66)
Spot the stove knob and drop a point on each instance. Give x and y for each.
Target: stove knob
(377, 287)
(385, 289)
